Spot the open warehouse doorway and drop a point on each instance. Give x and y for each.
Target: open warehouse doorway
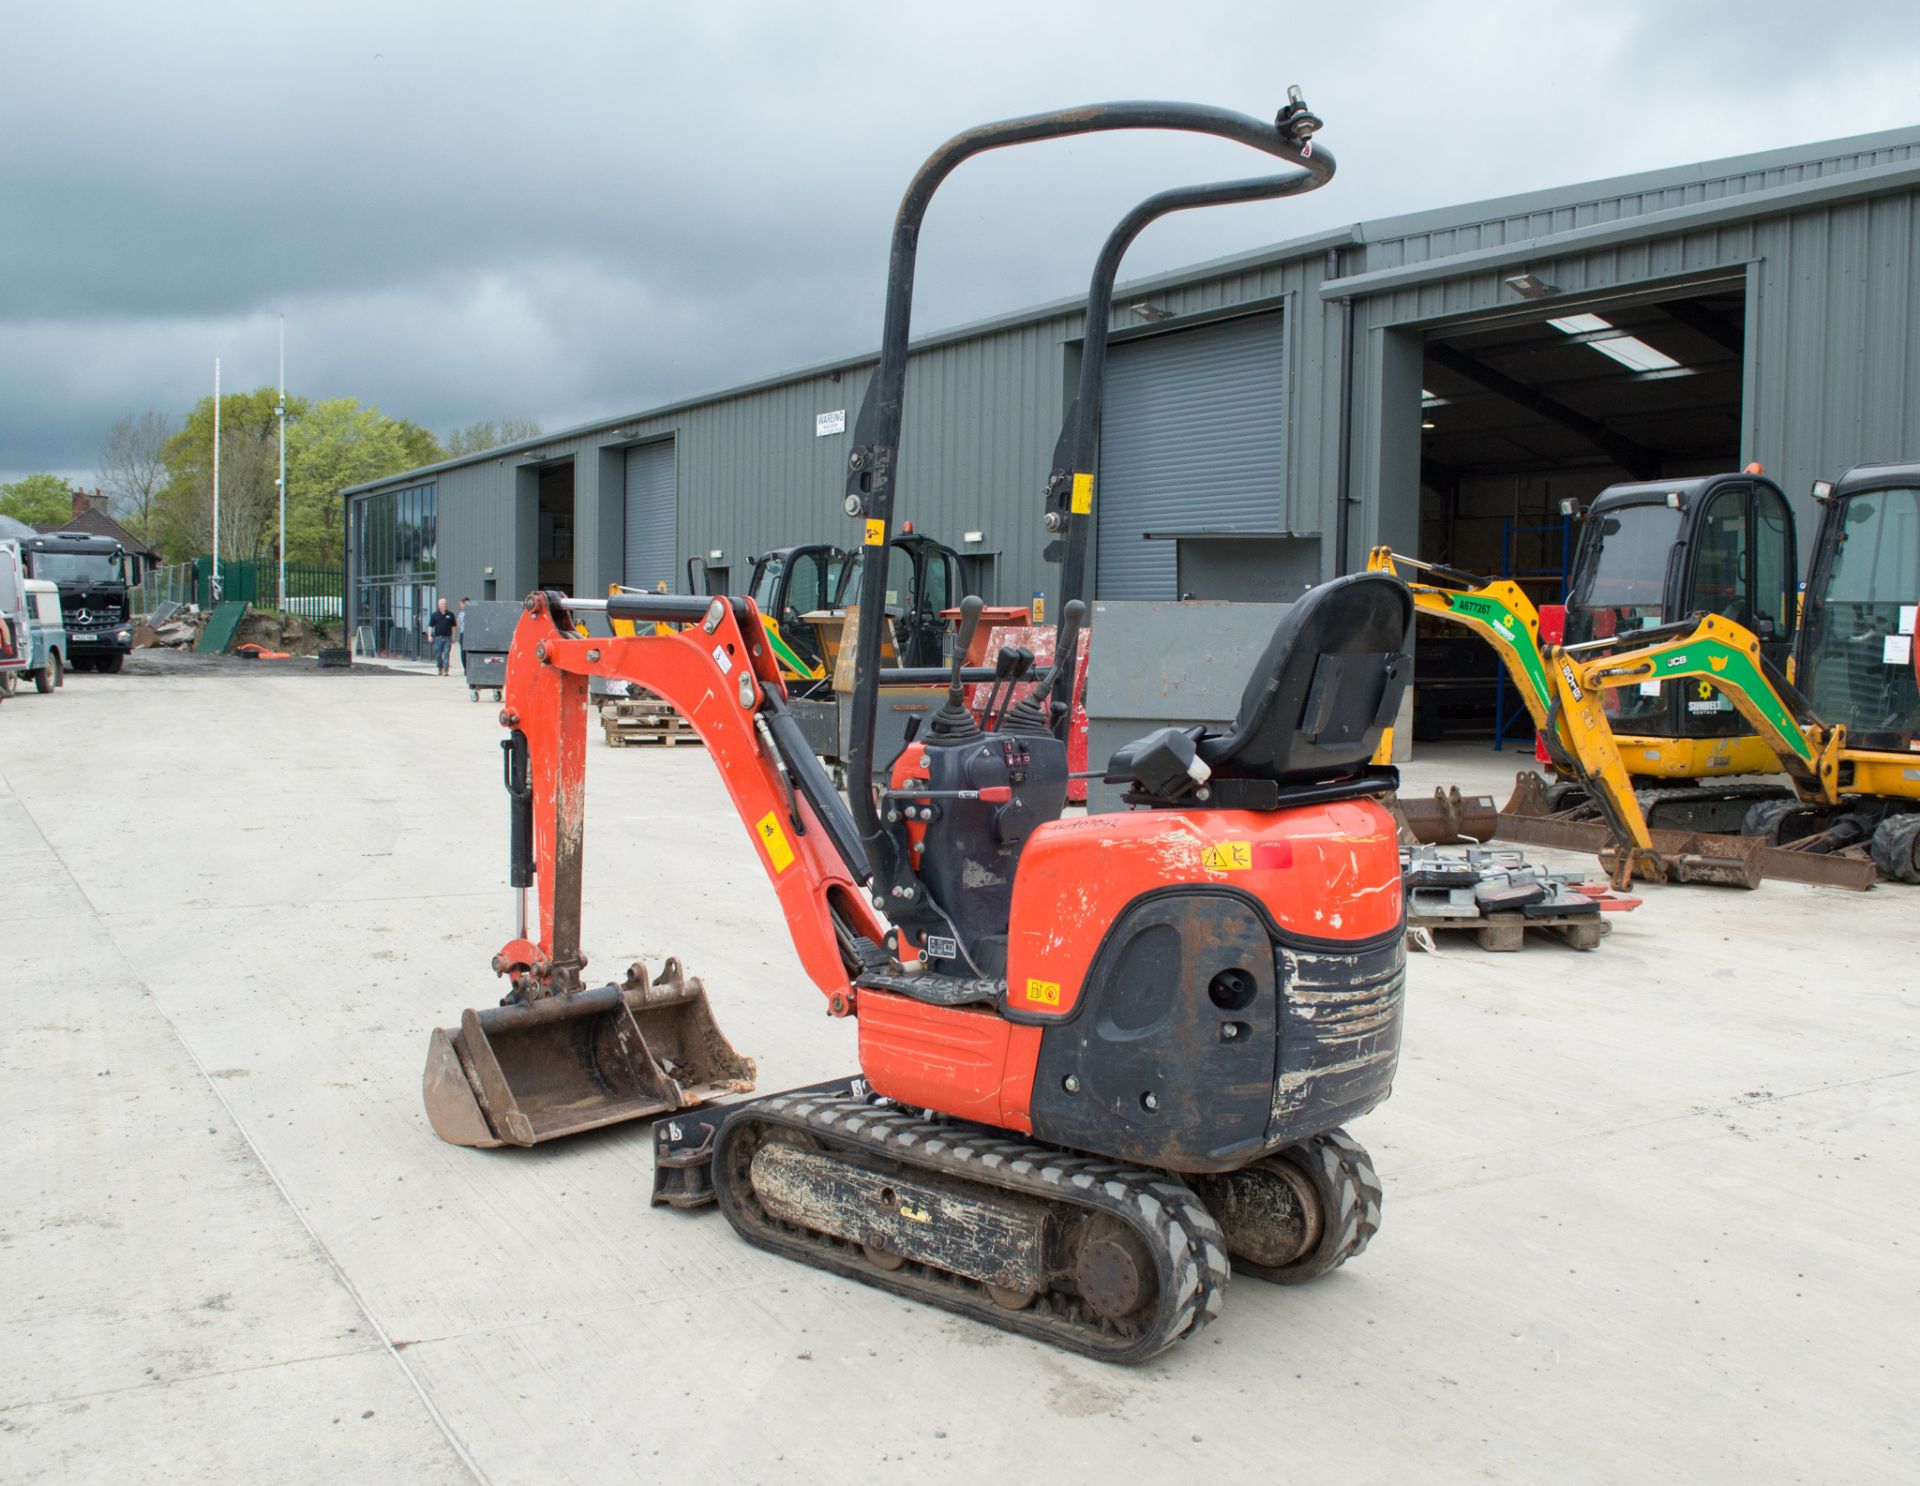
(1522, 413)
(556, 526)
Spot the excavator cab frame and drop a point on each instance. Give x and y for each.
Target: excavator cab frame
(1654, 553)
(796, 641)
(917, 630)
(1856, 656)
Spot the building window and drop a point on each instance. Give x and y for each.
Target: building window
(393, 543)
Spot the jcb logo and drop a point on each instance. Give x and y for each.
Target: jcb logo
(1573, 685)
(1674, 662)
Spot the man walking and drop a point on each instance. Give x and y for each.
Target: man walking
(442, 624)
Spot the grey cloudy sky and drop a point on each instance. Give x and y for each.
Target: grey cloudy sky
(575, 209)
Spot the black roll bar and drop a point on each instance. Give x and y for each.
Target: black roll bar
(872, 461)
(1069, 491)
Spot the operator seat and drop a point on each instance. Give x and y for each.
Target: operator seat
(1327, 685)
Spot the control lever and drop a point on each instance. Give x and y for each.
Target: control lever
(971, 608)
(1033, 713)
(953, 723)
(1009, 669)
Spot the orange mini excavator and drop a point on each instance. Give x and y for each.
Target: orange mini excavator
(1101, 1057)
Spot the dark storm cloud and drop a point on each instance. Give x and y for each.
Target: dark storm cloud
(573, 210)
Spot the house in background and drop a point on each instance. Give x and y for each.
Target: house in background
(90, 515)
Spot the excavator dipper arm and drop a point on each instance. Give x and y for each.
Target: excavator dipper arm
(1717, 651)
(721, 675)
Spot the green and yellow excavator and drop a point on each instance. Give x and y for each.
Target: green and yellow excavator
(1625, 713)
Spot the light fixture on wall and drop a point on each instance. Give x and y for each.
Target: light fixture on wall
(715, 555)
(974, 536)
(1151, 313)
(1530, 286)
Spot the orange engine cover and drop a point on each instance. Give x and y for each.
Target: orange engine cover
(1327, 872)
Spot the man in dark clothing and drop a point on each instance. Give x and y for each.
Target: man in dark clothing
(442, 625)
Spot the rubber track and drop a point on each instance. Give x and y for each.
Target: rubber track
(1707, 789)
(1342, 1167)
(1189, 1248)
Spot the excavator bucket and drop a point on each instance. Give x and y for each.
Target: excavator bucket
(1449, 817)
(521, 1074)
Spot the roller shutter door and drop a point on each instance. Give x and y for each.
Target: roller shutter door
(1191, 438)
(651, 502)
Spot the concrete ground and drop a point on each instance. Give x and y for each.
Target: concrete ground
(1649, 1210)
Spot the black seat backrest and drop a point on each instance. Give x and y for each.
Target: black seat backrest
(1328, 683)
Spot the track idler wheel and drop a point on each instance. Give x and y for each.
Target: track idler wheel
(1113, 1271)
(1293, 1216)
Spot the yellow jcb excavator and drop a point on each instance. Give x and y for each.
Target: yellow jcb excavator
(1847, 737)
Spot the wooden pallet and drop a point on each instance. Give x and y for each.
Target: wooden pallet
(629, 722)
(1500, 933)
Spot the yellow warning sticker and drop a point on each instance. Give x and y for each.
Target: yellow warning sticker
(779, 850)
(1228, 856)
(876, 533)
(1046, 992)
(1082, 494)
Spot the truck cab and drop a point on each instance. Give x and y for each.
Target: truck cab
(92, 576)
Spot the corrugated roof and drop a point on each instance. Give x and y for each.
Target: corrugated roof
(1401, 247)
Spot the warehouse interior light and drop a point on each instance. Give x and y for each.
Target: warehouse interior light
(1529, 286)
(1630, 351)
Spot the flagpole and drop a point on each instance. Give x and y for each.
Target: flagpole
(215, 586)
(280, 411)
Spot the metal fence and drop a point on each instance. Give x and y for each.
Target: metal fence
(172, 584)
(313, 592)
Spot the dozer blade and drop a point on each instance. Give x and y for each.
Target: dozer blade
(521, 1074)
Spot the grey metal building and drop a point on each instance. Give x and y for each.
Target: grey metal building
(1437, 381)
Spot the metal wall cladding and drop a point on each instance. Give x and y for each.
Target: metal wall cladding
(1427, 236)
(651, 505)
(1192, 438)
(1833, 378)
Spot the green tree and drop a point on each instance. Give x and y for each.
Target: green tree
(38, 500)
(182, 524)
(490, 433)
(331, 444)
(338, 443)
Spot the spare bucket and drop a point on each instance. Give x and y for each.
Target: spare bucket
(519, 1074)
